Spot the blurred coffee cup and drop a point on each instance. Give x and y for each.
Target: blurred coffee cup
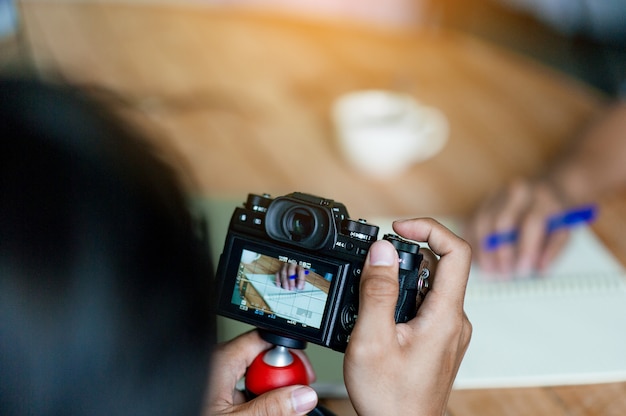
(382, 133)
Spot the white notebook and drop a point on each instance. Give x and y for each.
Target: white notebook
(305, 306)
(568, 327)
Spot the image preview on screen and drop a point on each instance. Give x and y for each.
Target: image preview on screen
(259, 288)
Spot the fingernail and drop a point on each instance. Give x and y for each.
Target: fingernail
(382, 254)
(304, 399)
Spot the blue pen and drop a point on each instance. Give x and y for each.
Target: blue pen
(566, 219)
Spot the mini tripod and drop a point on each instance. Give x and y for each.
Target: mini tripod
(278, 367)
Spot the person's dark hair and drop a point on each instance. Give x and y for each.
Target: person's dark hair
(105, 287)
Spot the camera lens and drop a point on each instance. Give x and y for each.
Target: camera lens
(299, 223)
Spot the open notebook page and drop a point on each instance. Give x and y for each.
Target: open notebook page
(305, 306)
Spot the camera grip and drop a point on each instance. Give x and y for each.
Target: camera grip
(406, 307)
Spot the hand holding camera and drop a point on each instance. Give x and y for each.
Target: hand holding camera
(291, 267)
(231, 361)
(409, 368)
(394, 364)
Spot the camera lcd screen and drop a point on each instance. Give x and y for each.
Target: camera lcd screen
(280, 288)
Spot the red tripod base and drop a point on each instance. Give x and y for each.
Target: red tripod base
(275, 368)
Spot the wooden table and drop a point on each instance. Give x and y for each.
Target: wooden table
(245, 98)
(243, 101)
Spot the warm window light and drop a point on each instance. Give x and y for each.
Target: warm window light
(386, 12)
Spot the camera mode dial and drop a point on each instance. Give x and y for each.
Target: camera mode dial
(258, 203)
(408, 252)
(360, 230)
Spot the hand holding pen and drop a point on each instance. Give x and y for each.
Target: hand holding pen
(291, 276)
(562, 221)
(521, 229)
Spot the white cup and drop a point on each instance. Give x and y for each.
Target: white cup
(382, 133)
(248, 256)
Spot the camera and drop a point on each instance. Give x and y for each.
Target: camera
(313, 241)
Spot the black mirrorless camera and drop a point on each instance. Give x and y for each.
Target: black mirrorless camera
(316, 237)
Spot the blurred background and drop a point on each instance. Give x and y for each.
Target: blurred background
(238, 94)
